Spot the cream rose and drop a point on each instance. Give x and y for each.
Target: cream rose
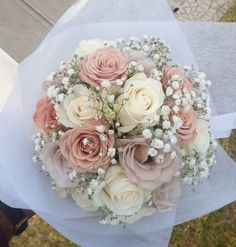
(82, 200)
(89, 46)
(77, 107)
(202, 140)
(119, 194)
(144, 97)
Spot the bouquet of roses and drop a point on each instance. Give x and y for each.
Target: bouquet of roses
(121, 129)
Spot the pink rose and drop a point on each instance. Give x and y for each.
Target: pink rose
(187, 132)
(56, 165)
(141, 58)
(167, 196)
(142, 168)
(104, 64)
(168, 72)
(45, 116)
(86, 148)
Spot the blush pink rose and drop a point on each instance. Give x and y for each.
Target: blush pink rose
(168, 72)
(167, 195)
(141, 58)
(142, 168)
(85, 148)
(104, 64)
(188, 131)
(45, 116)
(56, 165)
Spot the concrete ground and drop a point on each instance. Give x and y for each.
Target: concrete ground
(200, 10)
(24, 23)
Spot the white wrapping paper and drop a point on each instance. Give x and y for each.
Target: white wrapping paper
(24, 186)
(9, 72)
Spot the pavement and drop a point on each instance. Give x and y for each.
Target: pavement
(200, 10)
(24, 23)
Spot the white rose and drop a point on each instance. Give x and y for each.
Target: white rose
(119, 194)
(202, 141)
(61, 192)
(77, 107)
(82, 200)
(89, 46)
(145, 96)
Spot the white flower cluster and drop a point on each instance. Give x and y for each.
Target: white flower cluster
(161, 142)
(134, 68)
(196, 166)
(157, 49)
(201, 98)
(96, 182)
(67, 76)
(40, 140)
(112, 218)
(133, 44)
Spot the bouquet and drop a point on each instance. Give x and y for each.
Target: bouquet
(121, 128)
